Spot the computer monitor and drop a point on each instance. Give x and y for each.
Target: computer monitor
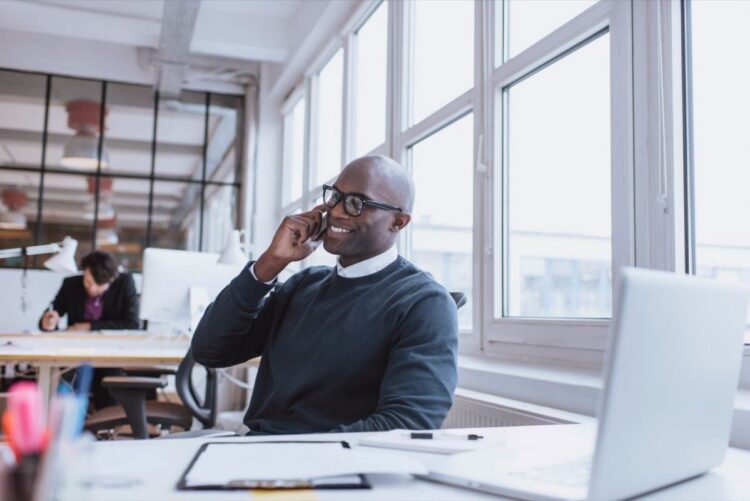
(179, 285)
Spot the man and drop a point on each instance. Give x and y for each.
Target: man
(367, 345)
(101, 298)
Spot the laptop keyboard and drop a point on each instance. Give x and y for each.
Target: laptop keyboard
(573, 474)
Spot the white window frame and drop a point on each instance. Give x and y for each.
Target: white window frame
(290, 103)
(541, 338)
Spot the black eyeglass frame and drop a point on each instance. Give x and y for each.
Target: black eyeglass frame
(365, 201)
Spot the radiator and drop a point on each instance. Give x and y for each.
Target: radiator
(475, 410)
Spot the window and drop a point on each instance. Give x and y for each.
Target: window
(370, 87)
(441, 225)
(718, 132)
(328, 116)
(121, 170)
(443, 54)
(294, 151)
(22, 115)
(558, 188)
(526, 22)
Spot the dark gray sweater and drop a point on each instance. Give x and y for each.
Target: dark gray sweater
(338, 354)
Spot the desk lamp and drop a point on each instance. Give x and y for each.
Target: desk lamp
(63, 260)
(233, 253)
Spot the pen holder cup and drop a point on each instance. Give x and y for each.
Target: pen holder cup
(21, 480)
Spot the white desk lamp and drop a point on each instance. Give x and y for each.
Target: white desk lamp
(233, 253)
(63, 260)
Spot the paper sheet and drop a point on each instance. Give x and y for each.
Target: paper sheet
(222, 463)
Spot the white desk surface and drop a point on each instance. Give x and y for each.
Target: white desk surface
(65, 347)
(149, 470)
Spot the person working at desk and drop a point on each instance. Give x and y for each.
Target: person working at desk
(367, 345)
(101, 298)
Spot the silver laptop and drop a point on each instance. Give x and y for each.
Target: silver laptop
(666, 410)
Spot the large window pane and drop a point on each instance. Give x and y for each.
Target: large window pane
(330, 93)
(443, 57)
(129, 129)
(68, 210)
(179, 136)
(224, 147)
(219, 216)
(123, 219)
(176, 215)
(720, 106)
(19, 195)
(371, 64)
(74, 123)
(294, 151)
(558, 188)
(22, 97)
(531, 20)
(441, 225)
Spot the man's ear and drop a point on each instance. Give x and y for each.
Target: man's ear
(400, 221)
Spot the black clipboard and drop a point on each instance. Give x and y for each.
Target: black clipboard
(352, 482)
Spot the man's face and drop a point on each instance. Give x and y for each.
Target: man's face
(363, 236)
(93, 289)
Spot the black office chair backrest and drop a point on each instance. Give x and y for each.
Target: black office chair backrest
(204, 411)
(459, 298)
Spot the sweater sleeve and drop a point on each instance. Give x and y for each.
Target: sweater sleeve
(127, 317)
(421, 375)
(234, 328)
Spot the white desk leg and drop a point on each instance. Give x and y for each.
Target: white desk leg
(45, 383)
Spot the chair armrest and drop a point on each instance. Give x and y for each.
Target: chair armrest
(150, 371)
(148, 383)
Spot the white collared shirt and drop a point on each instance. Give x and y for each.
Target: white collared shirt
(361, 269)
(368, 266)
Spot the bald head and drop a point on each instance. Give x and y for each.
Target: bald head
(386, 180)
(375, 229)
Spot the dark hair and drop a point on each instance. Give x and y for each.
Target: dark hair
(102, 266)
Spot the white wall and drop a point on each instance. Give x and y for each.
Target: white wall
(41, 287)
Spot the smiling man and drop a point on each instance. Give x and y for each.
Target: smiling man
(367, 345)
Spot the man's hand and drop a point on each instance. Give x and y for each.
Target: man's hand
(50, 320)
(80, 326)
(292, 242)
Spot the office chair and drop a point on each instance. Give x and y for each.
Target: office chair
(131, 391)
(459, 298)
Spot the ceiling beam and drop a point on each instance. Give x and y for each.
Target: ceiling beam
(173, 56)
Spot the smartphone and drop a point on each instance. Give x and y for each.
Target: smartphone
(323, 227)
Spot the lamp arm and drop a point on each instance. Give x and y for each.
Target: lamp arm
(31, 250)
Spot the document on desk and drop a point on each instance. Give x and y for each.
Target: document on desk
(289, 465)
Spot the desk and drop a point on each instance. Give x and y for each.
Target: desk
(52, 353)
(148, 470)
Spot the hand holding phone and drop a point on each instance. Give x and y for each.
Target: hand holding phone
(323, 227)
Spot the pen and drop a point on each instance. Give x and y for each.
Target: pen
(426, 435)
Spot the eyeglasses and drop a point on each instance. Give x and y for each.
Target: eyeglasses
(353, 203)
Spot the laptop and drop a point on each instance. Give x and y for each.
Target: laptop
(666, 408)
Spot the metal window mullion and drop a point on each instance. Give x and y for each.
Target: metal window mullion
(100, 145)
(151, 180)
(203, 172)
(43, 166)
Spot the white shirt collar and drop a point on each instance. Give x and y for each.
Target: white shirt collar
(368, 266)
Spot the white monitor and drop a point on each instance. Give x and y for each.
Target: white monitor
(178, 285)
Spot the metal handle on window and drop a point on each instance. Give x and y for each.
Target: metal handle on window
(662, 198)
